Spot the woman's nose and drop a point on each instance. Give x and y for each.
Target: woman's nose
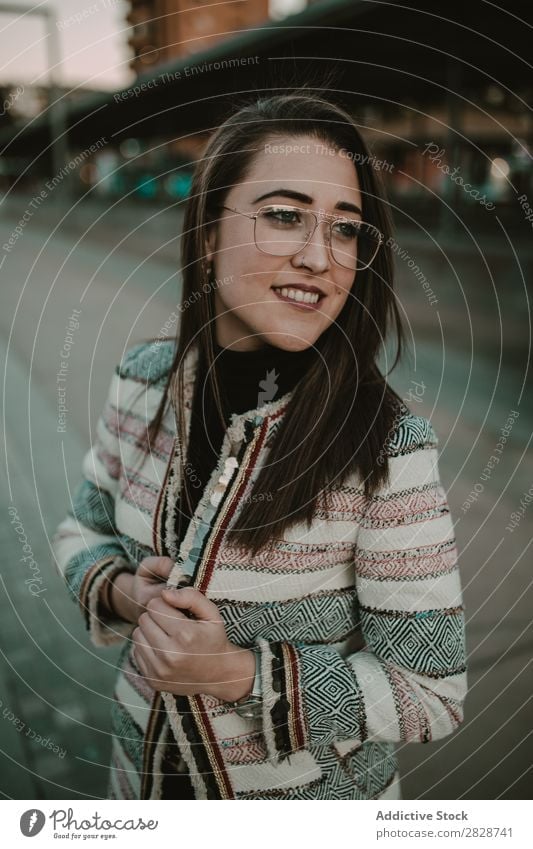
(316, 252)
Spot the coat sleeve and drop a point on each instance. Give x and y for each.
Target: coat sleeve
(409, 681)
(87, 547)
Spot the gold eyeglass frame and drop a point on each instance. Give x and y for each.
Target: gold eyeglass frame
(318, 215)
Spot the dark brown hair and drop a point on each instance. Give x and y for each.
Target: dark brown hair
(342, 410)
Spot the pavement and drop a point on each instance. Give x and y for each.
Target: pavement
(467, 372)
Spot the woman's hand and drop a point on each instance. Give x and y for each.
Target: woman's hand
(188, 656)
(130, 593)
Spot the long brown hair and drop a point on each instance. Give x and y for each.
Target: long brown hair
(333, 427)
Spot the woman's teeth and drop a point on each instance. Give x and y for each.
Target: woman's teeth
(299, 295)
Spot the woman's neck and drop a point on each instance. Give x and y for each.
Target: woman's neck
(267, 372)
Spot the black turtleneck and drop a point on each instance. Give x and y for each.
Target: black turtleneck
(247, 379)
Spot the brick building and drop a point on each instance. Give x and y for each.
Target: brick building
(163, 30)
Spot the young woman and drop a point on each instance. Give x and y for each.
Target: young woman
(261, 520)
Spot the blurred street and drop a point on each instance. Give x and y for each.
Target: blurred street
(467, 373)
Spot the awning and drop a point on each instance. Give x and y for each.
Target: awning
(390, 53)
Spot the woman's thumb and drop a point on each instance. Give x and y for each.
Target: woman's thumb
(156, 567)
(193, 603)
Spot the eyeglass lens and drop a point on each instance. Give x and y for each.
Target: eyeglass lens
(284, 231)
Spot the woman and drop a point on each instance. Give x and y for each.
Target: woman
(261, 520)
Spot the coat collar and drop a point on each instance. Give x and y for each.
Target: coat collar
(263, 420)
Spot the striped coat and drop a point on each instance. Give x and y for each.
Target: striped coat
(359, 619)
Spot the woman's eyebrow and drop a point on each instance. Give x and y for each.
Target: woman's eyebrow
(285, 193)
(343, 205)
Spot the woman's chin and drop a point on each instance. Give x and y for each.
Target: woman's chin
(287, 340)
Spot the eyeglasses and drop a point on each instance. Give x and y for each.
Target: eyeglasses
(281, 230)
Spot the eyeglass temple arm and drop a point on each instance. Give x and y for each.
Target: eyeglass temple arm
(246, 214)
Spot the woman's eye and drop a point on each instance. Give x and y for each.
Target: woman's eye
(346, 229)
(283, 216)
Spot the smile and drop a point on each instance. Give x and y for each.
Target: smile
(297, 298)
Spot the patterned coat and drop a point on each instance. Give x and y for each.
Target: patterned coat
(359, 619)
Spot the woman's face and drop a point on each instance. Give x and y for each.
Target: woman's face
(298, 171)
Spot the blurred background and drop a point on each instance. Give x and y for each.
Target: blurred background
(104, 108)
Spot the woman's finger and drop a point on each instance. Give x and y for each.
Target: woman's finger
(155, 567)
(144, 656)
(140, 663)
(168, 618)
(193, 602)
(152, 636)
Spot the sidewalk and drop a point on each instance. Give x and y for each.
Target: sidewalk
(54, 684)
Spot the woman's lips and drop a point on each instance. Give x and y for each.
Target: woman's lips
(300, 304)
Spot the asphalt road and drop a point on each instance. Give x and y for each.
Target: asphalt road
(467, 373)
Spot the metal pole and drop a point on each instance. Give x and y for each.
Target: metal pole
(56, 105)
(57, 108)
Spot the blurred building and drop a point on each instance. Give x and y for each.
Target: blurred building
(162, 30)
(24, 101)
(444, 132)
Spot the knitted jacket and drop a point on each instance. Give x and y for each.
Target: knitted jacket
(359, 619)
